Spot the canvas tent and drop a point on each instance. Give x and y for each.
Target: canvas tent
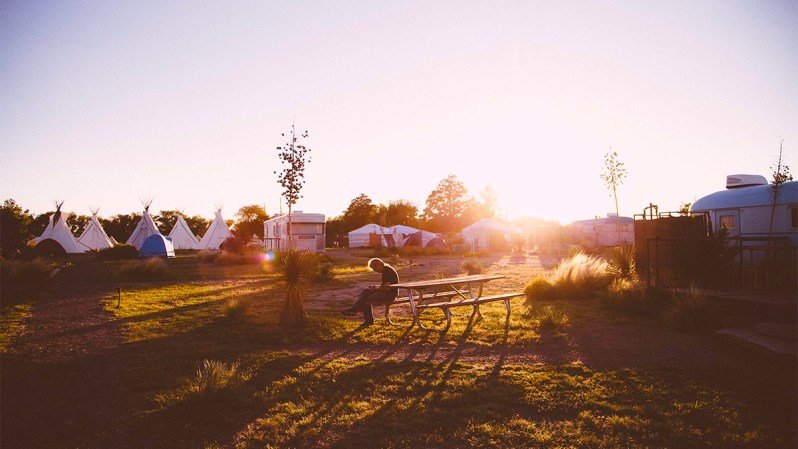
(157, 245)
(181, 235)
(94, 236)
(144, 229)
(216, 234)
(488, 234)
(57, 232)
(368, 235)
(424, 239)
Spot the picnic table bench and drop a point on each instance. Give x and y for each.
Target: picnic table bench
(445, 294)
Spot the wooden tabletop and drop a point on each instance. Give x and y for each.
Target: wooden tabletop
(448, 281)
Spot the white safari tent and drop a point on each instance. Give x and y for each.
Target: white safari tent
(744, 209)
(182, 237)
(368, 235)
(94, 236)
(216, 234)
(58, 232)
(144, 229)
(605, 232)
(308, 232)
(487, 234)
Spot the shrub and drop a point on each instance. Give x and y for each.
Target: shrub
(229, 258)
(549, 317)
(621, 262)
(625, 295)
(212, 377)
(540, 289)
(692, 309)
(234, 245)
(118, 252)
(151, 268)
(325, 274)
(208, 256)
(29, 273)
(580, 276)
(472, 267)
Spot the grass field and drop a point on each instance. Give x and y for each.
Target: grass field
(195, 359)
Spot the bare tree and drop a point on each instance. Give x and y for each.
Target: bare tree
(293, 156)
(613, 176)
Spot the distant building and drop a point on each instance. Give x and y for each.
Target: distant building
(604, 232)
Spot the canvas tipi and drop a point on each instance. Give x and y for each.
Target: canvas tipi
(216, 234)
(94, 236)
(144, 229)
(181, 235)
(59, 232)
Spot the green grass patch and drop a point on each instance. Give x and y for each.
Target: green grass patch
(12, 323)
(302, 401)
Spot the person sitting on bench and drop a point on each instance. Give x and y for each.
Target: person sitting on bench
(375, 294)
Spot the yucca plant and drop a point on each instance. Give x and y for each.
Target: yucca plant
(296, 270)
(621, 262)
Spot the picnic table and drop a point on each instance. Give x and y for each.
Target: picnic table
(445, 294)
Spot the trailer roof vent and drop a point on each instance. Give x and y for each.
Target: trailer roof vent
(736, 181)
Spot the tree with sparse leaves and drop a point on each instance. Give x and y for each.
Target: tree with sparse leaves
(293, 156)
(781, 174)
(613, 176)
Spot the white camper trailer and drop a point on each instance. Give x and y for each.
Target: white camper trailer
(308, 232)
(745, 208)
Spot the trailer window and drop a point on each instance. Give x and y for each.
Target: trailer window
(307, 228)
(727, 222)
(794, 216)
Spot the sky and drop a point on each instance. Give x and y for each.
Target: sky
(105, 103)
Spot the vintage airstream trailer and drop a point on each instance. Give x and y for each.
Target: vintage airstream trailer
(307, 232)
(604, 232)
(745, 209)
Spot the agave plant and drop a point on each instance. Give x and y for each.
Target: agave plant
(296, 269)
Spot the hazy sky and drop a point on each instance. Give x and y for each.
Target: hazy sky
(103, 103)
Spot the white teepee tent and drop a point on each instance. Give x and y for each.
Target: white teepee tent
(58, 231)
(181, 235)
(144, 229)
(94, 236)
(216, 234)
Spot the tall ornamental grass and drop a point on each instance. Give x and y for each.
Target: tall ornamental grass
(580, 276)
(296, 269)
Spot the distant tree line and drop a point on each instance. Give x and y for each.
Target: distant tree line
(448, 208)
(19, 225)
